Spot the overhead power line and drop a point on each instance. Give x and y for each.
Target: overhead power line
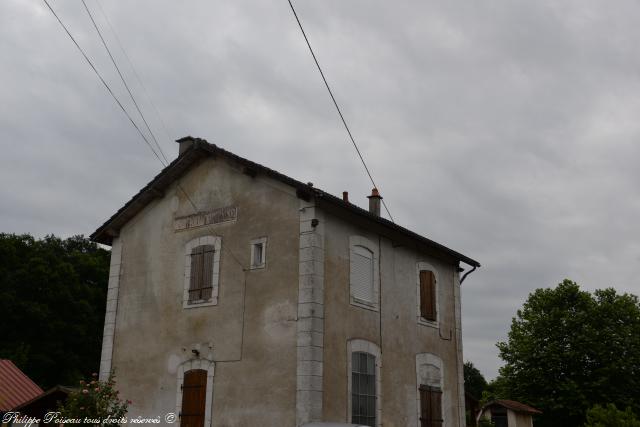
(344, 122)
(102, 80)
(124, 82)
(135, 72)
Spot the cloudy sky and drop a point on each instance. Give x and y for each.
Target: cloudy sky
(504, 129)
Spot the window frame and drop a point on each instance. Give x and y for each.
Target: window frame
(357, 345)
(216, 242)
(262, 241)
(425, 266)
(355, 241)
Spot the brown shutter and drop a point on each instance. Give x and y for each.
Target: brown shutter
(425, 420)
(194, 395)
(427, 295)
(196, 270)
(436, 407)
(207, 272)
(430, 406)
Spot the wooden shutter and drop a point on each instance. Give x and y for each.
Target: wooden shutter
(207, 272)
(428, 295)
(430, 406)
(201, 281)
(194, 395)
(362, 273)
(425, 420)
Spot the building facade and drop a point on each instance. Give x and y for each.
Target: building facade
(239, 296)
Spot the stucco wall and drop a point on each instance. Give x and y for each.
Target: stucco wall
(394, 328)
(250, 334)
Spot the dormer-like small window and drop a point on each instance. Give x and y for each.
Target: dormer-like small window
(259, 253)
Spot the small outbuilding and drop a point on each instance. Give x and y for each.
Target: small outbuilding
(508, 413)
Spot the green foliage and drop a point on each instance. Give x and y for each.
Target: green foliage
(474, 382)
(95, 403)
(485, 422)
(569, 350)
(52, 302)
(610, 416)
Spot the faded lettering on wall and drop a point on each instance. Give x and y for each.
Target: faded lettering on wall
(215, 216)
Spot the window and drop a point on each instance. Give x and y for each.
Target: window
(427, 294)
(194, 392)
(430, 406)
(364, 363)
(430, 398)
(259, 253)
(363, 388)
(200, 282)
(363, 276)
(202, 266)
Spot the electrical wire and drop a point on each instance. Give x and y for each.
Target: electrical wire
(135, 72)
(104, 43)
(344, 122)
(102, 80)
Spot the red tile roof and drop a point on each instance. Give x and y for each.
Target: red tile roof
(15, 386)
(515, 406)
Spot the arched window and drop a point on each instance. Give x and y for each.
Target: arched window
(429, 390)
(427, 294)
(364, 363)
(363, 273)
(202, 271)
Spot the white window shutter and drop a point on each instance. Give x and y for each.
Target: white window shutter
(362, 273)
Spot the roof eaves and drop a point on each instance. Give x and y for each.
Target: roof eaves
(201, 148)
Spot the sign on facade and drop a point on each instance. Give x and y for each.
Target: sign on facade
(216, 216)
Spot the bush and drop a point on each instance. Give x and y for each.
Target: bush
(95, 403)
(610, 416)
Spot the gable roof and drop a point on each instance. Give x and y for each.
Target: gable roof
(514, 406)
(15, 386)
(201, 149)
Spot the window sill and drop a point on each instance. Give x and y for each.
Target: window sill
(203, 303)
(364, 304)
(424, 322)
(258, 267)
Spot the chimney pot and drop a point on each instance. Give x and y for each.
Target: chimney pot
(374, 202)
(345, 196)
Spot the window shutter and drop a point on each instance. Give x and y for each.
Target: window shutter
(195, 284)
(425, 421)
(430, 406)
(362, 273)
(201, 281)
(428, 295)
(436, 407)
(194, 395)
(207, 272)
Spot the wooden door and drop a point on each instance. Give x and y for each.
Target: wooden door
(194, 395)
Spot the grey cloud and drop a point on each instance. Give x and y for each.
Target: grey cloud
(505, 130)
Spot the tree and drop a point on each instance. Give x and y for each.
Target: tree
(474, 382)
(52, 302)
(610, 416)
(568, 350)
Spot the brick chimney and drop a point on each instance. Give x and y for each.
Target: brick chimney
(374, 202)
